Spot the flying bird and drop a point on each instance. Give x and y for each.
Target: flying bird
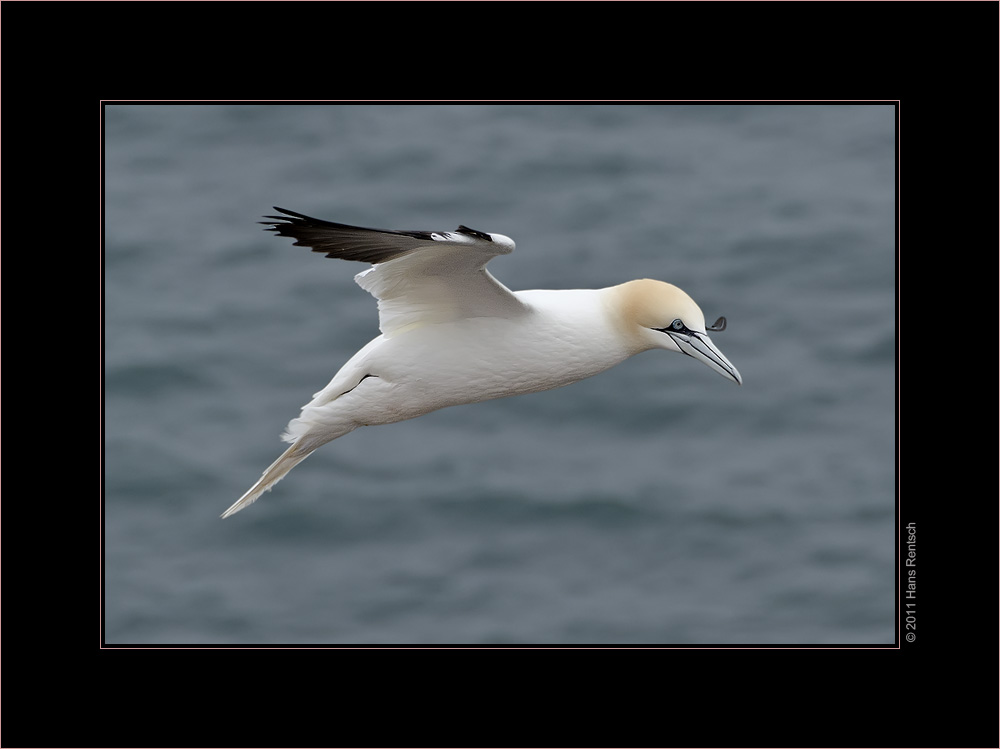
(453, 334)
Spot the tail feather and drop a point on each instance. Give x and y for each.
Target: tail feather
(277, 470)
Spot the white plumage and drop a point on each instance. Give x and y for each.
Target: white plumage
(453, 334)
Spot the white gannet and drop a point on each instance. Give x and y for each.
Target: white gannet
(453, 334)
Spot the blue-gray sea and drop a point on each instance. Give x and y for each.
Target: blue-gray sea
(657, 503)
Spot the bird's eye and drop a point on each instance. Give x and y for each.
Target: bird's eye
(677, 325)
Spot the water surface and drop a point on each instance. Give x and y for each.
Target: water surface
(657, 503)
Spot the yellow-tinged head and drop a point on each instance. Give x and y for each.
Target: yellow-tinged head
(655, 314)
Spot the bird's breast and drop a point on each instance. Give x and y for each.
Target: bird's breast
(479, 359)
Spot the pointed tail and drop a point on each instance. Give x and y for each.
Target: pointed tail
(277, 470)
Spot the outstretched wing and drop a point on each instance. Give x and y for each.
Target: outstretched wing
(419, 277)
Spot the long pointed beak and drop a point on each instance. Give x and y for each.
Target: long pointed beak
(699, 346)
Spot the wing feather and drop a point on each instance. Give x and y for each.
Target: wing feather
(419, 277)
(343, 241)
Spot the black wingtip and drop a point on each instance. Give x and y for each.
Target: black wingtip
(290, 213)
(287, 214)
(291, 218)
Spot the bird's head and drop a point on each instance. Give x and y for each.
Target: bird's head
(660, 315)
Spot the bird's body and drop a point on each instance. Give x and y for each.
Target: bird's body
(468, 361)
(452, 334)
